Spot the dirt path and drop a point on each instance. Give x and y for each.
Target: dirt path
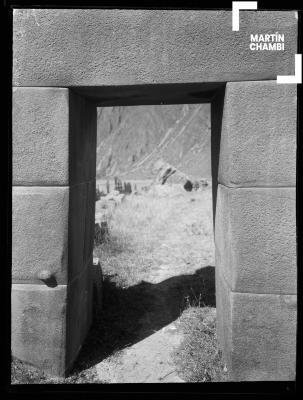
(174, 268)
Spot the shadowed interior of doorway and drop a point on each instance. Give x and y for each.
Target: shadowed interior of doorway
(120, 323)
(154, 232)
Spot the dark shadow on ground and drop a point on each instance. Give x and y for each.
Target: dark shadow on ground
(131, 314)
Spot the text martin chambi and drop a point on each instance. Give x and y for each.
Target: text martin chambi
(268, 41)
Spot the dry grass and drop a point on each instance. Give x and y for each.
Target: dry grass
(163, 227)
(138, 228)
(22, 373)
(135, 232)
(198, 358)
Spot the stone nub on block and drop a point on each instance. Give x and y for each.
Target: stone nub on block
(255, 239)
(52, 227)
(49, 324)
(39, 326)
(40, 233)
(258, 138)
(257, 333)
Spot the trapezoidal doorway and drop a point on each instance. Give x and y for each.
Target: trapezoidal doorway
(253, 124)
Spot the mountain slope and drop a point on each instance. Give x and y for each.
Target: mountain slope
(131, 139)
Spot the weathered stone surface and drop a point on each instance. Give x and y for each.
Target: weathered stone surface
(54, 144)
(259, 338)
(39, 325)
(255, 237)
(79, 313)
(258, 139)
(217, 107)
(40, 232)
(54, 137)
(127, 47)
(83, 136)
(40, 136)
(52, 227)
(77, 228)
(89, 221)
(223, 317)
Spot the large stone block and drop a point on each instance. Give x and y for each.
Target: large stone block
(128, 47)
(77, 227)
(79, 312)
(83, 139)
(258, 335)
(54, 137)
(81, 227)
(223, 317)
(39, 326)
(255, 238)
(40, 233)
(53, 232)
(258, 139)
(40, 136)
(217, 105)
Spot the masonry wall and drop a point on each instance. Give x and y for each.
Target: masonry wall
(134, 47)
(255, 232)
(54, 147)
(58, 52)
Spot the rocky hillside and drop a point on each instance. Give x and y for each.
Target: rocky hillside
(131, 139)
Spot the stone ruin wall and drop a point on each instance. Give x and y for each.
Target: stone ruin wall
(63, 60)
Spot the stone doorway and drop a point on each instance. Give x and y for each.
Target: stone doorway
(254, 166)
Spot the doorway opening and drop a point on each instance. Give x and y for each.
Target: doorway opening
(154, 232)
(154, 237)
